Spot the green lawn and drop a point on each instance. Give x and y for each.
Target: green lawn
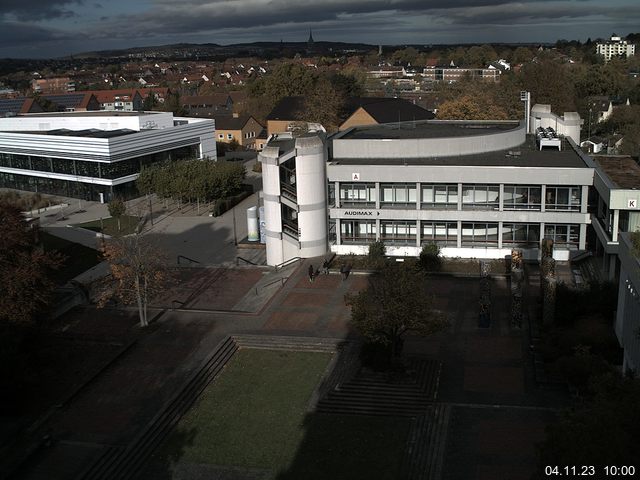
(255, 416)
(78, 258)
(109, 225)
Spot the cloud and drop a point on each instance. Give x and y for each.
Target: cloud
(30, 10)
(14, 34)
(168, 17)
(529, 13)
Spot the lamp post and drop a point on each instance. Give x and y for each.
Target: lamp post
(589, 123)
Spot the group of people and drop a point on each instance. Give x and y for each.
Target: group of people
(313, 273)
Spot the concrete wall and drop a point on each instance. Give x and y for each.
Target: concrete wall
(428, 147)
(272, 210)
(568, 125)
(82, 121)
(628, 312)
(311, 190)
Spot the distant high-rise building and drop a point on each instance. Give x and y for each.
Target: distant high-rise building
(614, 48)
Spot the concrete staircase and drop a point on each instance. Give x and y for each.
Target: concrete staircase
(383, 393)
(124, 462)
(425, 447)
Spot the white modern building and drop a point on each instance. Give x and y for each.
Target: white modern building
(295, 196)
(615, 47)
(95, 155)
(617, 206)
(477, 189)
(628, 313)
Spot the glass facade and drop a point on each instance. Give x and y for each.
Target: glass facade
(444, 234)
(413, 231)
(398, 232)
(479, 234)
(357, 231)
(359, 195)
(564, 236)
(82, 168)
(480, 197)
(563, 198)
(439, 196)
(526, 235)
(522, 197)
(398, 195)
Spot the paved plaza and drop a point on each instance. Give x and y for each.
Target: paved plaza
(495, 411)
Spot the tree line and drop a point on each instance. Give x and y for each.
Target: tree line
(192, 180)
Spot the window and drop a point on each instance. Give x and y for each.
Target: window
(479, 234)
(444, 234)
(397, 195)
(439, 196)
(331, 194)
(221, 136)
(41, 164)
(357, 195)
(289, 221)
(563, 198)
(521, 235)
(480, 197)
(357, 231)
(63, 165)
(229, 136)
(564, 236)
(522, 197)
(398, 232)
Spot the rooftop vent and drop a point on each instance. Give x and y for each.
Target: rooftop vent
(547, 137)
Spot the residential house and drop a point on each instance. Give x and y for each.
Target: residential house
(376, 111)
(208, 105)
(126, 100)
(243, 129)
(53, 85)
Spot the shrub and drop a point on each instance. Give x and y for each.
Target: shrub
(430, 260)
(376, 257)
(221, 205)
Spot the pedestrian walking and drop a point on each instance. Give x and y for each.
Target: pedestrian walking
(325, 267)
(311, 273)
(343, 272)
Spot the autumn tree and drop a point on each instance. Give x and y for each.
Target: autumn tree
(117, 208)
(468, 107)
(25, 269)
(395, 302)
(138, 273)
(550, 83)
(324, 105)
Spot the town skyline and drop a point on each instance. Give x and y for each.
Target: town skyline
(58, 28)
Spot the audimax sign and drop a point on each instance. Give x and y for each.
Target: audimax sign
(361, 213)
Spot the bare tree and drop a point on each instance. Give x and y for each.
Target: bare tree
(138, 273)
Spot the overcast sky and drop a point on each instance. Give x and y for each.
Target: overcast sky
(51, 28)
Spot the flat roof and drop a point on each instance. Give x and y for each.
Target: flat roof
(90, 132)
(89, 113)
(427, 129)
(623, 171)
(525, 155)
